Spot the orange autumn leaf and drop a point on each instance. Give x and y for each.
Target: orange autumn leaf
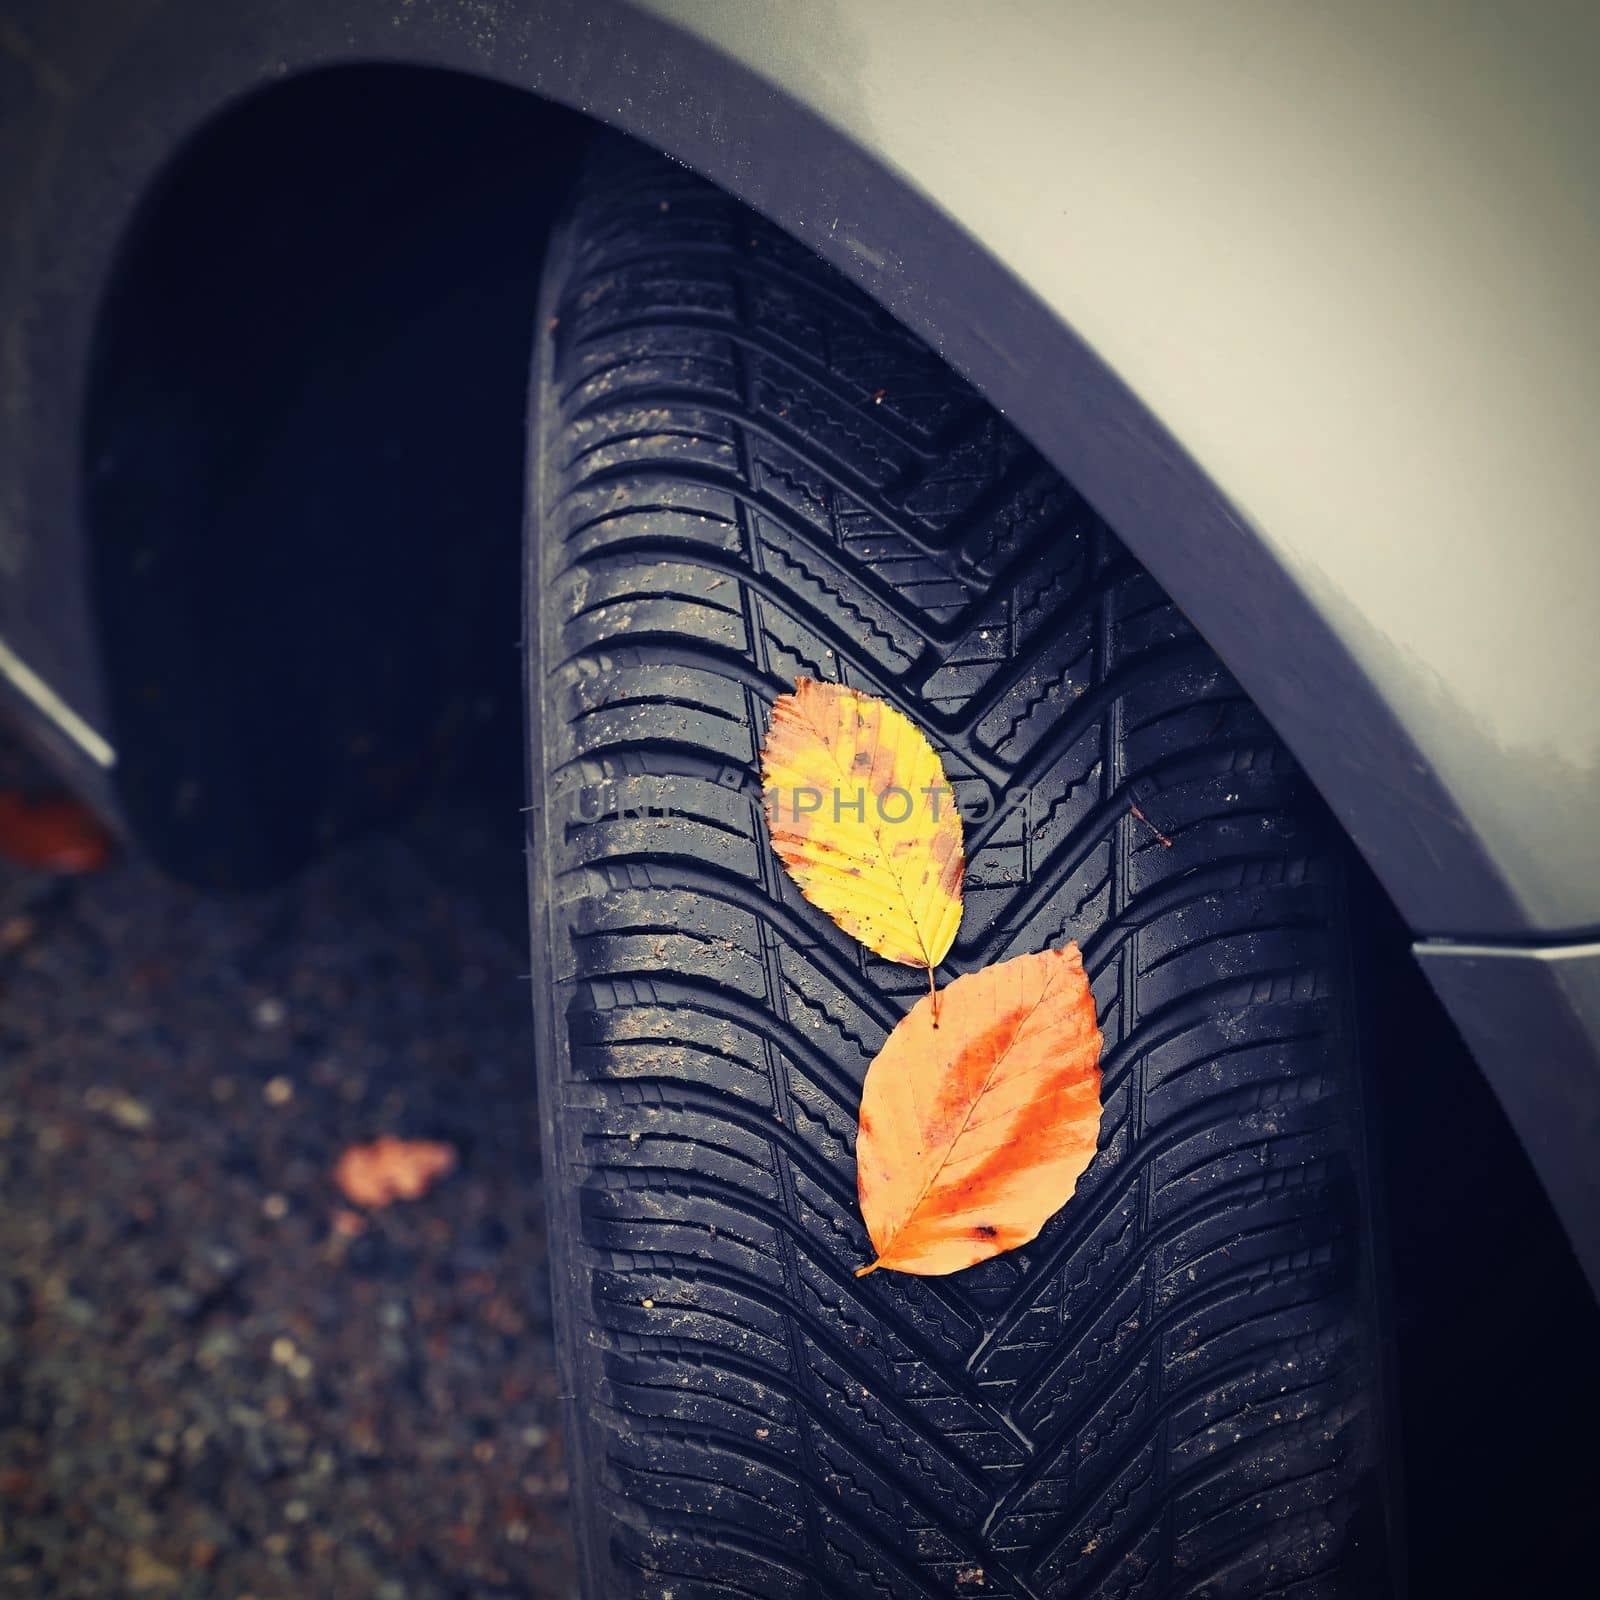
(974, 1130)
(389, 1169)
(56, 833)
(863, 817)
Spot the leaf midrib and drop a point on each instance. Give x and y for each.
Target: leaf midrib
(955, 1139)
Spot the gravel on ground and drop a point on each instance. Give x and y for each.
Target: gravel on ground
(217, 1376)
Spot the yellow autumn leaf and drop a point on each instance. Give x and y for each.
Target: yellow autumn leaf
(861, 814)
(975, 1128)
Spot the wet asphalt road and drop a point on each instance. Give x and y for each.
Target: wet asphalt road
(216, 1378)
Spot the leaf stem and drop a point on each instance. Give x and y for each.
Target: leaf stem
(861, 1272)
(933, 995)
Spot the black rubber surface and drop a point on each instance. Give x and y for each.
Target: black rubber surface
(745, 473)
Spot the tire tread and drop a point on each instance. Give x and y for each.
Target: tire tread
(750, 473)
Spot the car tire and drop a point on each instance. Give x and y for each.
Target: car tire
(745, 472)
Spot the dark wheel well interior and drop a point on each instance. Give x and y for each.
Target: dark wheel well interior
(304, 464)
(304, 452)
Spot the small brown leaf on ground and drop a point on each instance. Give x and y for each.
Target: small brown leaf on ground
(388, 1169)
(54, 833)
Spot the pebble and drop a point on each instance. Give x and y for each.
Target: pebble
(270, 1013)
(122, 1109)
(146, 1573)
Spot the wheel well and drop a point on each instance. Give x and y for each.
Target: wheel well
(304, 445)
